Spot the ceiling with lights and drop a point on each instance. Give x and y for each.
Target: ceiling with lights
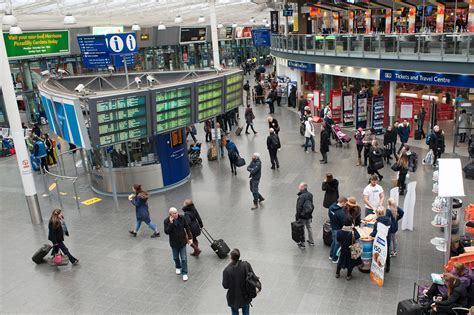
(49, 14)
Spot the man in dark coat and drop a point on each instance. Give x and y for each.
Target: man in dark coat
(324, 144)
(273, 144)
(436, 143)
(421, 121)
(233, 279)
(346, 236)
(180, 234)
(337, 216)
(255, 170)
(304, 211)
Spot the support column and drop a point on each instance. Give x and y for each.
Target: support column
(214, 38)
(286, 19)
(18, 137)
(392, 102)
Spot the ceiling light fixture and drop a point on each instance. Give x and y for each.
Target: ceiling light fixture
(252, 20)
(178, 19)
(267, 25)
(161, 27)
(201, 19)
(69, 19)
(234, 25)
(265, 21)
(136, 27)
(9, 19)
(220, 25)
(15, 30)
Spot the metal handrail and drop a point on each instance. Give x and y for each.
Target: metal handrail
(56, 179)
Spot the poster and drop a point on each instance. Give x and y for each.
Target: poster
(411, 19)
(348, 102)
(335, 22)
(470, 18)
(440, 18)
(388, 21)
(316, 102)
(406, 111)
(336, 105)
(351, 22)
(361, 119)
(379, 255)
(368, 21)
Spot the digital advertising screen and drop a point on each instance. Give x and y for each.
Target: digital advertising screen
(210, 99)
(30, 44)
(192, 34)
(173, 108)
(233, 91)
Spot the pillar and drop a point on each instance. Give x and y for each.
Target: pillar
(214, 38)
(392, 101)
(302, 18)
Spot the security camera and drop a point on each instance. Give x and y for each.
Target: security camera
(111, 68)
(138, 81)
(80, 88)
(62, 71)
(150, 79)
(341, 69)
(45, 73)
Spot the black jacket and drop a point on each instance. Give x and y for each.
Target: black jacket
(331, 192)
(255, 169)
(387, 221)
(345, 239)
(458, 297)
(55, 234)
(324, 144)
(304, 202)
(233, 279)
(178, 231)
(389, 137)
(193, 219)
(273, 142)
(437, 142)
(274, 124)
(336, 216)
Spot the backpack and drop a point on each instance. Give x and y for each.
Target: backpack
(428, 138)
(246, 87)
(252, 283)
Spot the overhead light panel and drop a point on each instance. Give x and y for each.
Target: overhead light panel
(234, 25)
(252, 20)
(220, 25)
(161, 27)
(267, 25)
(69, 19)
(265, 21)
(201, 19)
(136, 27)
(178, 19)
(15, 30)
(9, 19)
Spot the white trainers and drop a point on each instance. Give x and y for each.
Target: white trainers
(178, 271)
(185, 277)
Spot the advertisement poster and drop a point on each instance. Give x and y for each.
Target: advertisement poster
(243, 32)
(379, 255)
(295, 18)
(336, 105)
(406, 111)
(378, 113)
(316, 102)
(388, 21)
(470, 18)
(411, 20)
(30, 44)
(361, 119)
(368, 21)
(348, 113)
(335, 22)
(351, 22)
(440, 18)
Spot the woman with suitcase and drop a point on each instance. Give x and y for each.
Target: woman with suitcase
(195, 224)
(56, 231)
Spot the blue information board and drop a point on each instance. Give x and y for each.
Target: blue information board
(122, 44)
(261, 37)
(308, 67)
(442, 79)
(94, 51)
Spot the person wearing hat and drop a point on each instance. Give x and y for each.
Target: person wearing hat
(359, 138)
(353, 211)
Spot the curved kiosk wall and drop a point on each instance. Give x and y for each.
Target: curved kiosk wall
(135, 129)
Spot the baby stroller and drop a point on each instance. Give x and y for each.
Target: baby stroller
(194, 154)
(340, 136)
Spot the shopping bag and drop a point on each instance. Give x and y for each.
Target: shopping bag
(428, 160)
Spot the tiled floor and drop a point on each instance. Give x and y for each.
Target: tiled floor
(122, 274)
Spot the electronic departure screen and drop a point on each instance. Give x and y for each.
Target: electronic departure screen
(233, 88)
(121, 119)
(173, 108)
(209, 99)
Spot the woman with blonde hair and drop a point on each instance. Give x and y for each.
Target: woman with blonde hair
(385, 219)
(56, 231)
(396, 215)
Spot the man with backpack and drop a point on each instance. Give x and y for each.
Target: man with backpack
(304, 212)
(273, 144)
(241, 283)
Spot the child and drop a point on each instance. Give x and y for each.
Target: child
(397, 214)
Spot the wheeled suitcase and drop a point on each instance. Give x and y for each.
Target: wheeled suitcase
(218, 246)
(238, 131)
(327, 233)
(409, 307)
(469, 171)
(297, 231)
(212, 153)
(417, 135)
(38, 257)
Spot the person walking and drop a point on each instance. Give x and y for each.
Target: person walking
(401, 166)
(389, 140)
(369, 137)
(336, 215)
(463, 126)
(50, 144)
(270, 100)
(375, 159)
(383, 218)
(330, 186)
(273, 123)
(324, 144)
(255, 170)
(396, 215)
(359, 138)
(404, 133)
(233, 154)
(234, 281)
(279, 90)
(421, 121)
(373, 195)
(191, 130)
(302, 103)
(207, 130)
(249, 117)
(273, 144)
(139, 199)
(56, 231)
(292, 97)
(39, 149)
(309, 135)
(179, 232)
(246, 88)
(195, 224)
(436, 143)
(304, 212)
(346, 237)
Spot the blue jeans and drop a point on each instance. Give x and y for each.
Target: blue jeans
(150, 224)
(245, 310)
(306, 144)
(183, 263)
(334, 246)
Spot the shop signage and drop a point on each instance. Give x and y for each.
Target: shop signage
(274, 22)
(261, 37)
(379, 255)
(145, 37)
(192, 35)
(287, 12)
(455, 80)
(470, 18)
(30, 44)
(309, 67)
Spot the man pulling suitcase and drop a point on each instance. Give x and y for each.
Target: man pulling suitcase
(304, 215)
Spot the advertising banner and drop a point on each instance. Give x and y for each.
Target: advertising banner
(440, 18)
(388, 21)
(243, 32)
(274, 21)
(368, 21)
(351, 22)
(411, 20)
(295, 19)
(335, 22)
(406, 110)
(409, 207)
(192, 35)
(470, 18)
(379, 255)
(31, 44)
(361, 112)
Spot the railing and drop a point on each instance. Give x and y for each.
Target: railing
(423, 46)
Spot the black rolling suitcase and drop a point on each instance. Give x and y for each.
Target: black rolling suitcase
(297, 231)
(469, 171)
(411, 306)
(218, 246)
(417, 134)
(327, 233)
(38, 257)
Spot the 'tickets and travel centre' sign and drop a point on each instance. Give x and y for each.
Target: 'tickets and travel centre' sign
(31, 44)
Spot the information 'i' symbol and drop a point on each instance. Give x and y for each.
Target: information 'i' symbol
(116, 44)
(131, 42)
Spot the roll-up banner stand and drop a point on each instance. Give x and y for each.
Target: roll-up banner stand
(361, 111)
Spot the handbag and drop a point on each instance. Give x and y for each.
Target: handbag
(58, 258)
(395, 167)
(355, 248)
(429, 158)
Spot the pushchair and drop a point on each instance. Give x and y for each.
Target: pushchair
(341, 137)
(194, 154)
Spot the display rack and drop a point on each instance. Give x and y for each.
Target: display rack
(348, 109)
(378, 113)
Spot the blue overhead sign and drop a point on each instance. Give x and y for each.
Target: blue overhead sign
(309, 67)
(287, 12)
(261, 37)
(122, 44)
(454, 80)
(94, 50)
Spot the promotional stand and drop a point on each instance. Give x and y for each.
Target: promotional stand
(348, 109)
(378, 113)
(361, 111)
(336, 105)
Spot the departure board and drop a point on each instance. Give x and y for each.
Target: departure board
(209, 99)
(173, 108)
(234, 84)
(121, 119)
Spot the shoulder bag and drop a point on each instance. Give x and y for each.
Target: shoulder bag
(355, 248)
